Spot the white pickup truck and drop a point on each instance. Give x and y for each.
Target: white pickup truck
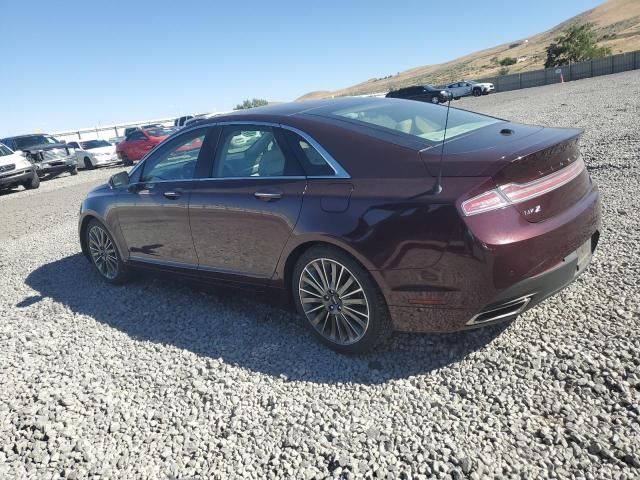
(469, 87)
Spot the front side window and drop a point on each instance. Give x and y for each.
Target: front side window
(176, 161)
(418, 119)
(247, 151)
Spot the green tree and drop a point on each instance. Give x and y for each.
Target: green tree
(577, 44)
(256, 102)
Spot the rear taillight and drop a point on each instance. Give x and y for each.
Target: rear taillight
(513, 193)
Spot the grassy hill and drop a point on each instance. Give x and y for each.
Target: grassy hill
(616, 21)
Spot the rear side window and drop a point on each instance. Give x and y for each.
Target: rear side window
(253, 151)
(417, 119)
(312, 161)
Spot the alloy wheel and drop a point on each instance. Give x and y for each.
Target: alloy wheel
(334, 301)
(103, 252)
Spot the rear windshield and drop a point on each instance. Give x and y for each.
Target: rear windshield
(159, 131)
(417, 119)
(91, 144)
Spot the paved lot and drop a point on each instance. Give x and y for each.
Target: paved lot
(159, 380)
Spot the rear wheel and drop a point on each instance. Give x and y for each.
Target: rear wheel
(340, 301)
(125, 160)
(33, 182)
(73, 171)
(104, 254)
(87, 164)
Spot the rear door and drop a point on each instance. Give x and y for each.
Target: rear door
(243, 215)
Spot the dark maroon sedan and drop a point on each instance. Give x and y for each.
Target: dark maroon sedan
(338, 205)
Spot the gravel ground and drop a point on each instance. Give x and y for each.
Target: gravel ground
(159, 380)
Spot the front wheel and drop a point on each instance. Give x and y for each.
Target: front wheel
(435, 100)
(125, 160)
(87, 164)
(33, 182)
(104, 254)
(340, 301)
(477, 92)
(73, 171)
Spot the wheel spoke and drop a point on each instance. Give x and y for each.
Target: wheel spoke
(359, 321)
(356, 311)
(308, 277)
(321, 275)
(350, 294)
(310, 293)
(346, 285)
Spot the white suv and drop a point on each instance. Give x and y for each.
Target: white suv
(16, 170)
(465, 88)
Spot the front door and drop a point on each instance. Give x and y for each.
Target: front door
(242, 217)
(154, 213)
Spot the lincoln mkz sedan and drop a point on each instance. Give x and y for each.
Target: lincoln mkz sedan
(358, 212)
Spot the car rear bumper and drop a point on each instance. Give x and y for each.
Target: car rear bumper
(490, 281)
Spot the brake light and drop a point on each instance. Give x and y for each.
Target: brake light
(513, 193)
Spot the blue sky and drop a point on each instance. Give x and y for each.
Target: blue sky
(75, 64)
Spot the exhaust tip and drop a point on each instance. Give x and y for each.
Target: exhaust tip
(501, 312)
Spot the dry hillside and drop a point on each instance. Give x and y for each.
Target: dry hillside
(617, 22)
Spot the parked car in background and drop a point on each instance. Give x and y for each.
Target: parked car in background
(116, 140)
(350, 209)
(139, 142)
(16, 170)
(181, 121)
(421, 93)
(48, 155)
(94, 153)
(465, 88)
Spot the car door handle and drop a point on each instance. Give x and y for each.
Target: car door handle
(173, 194)
(268, 196)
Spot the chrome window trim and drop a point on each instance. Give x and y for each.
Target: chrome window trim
(340, 173)
(333, 163)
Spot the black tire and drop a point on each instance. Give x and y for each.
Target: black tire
(125, 160)
(477, 92)
(73, 171)
(435, 100)
(33, 182)
(378, 326)
(120, 273)
(87, 164)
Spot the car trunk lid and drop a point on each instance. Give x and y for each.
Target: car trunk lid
(538, 170)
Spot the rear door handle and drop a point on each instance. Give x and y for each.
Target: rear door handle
(268, 196)
(173, 194)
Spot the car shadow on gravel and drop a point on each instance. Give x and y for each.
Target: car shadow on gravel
(237, 329)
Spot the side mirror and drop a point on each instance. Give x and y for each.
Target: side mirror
(119, 180)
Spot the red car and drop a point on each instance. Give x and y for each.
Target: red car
(139, 142)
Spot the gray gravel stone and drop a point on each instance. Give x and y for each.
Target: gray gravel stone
(159, 380)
